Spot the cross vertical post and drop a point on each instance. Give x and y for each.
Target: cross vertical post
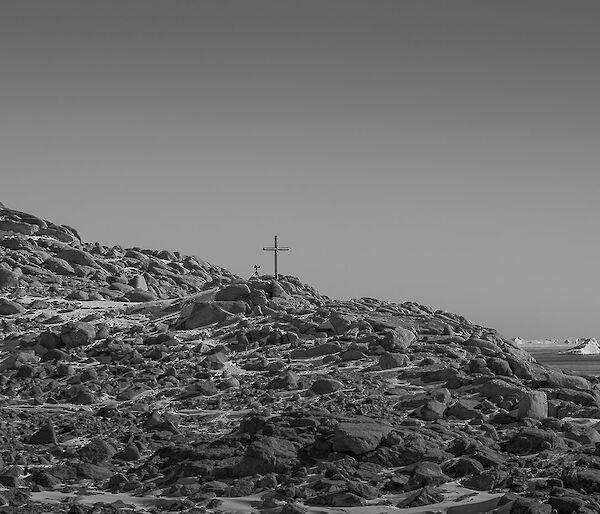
(275, 249)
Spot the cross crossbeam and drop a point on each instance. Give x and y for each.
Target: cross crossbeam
(275, 249)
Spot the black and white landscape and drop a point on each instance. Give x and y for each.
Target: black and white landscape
(299, 256)
(147, 379)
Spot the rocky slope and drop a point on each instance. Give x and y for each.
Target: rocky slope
(144, 380)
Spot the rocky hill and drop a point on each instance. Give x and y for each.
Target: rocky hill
(151, 381)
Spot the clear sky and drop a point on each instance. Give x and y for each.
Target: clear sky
(435, 151)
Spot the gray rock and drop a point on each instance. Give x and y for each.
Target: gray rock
(139, 282)
(559, 379)
(140, 295)
(582, 434)
(8, 279)
(431, 410)
(8, 307)
(77, 333)
(533, 404)
(284, 380)
(233, 292)
(206, 313)
(76, 256)
(394, 360)
(465, 409)
(326, 385)
(96, 451)
(397, 339)
(45, 435)
(59, 266)
(267, 454)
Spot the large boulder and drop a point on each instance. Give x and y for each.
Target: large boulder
(8, 307)
(585, 398)
(326, 385)
(397, 339)
(587, 480)
(18, 227)
(499, 387)
(393, 360)
(77, 333)
(267, 454)
(533, 404)
(431, 410)
(534, 440)
(45, 435)
(561, 380)
(139, 282)
(59, 266)
(8, 279)
(202, 314)
(76, 256)
(466, 409)
(233, 292)
(359, 436)
(581, 433)
(140, 295)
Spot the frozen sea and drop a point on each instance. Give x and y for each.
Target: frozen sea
(549, 354)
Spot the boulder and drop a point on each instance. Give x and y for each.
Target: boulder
(397, 339)
(561, 380)
(424, 496)
(140, 295)
(139, 282)
(77, 333)
(59, 266)
(430, 410)
(465, 409)
(326, 386)
(585, 398)
(320, 350)
(534, 440)
(207, 313)
(233, 292)
(76, 256)
(393, 360)
(586, 479)
(267, 454)
(96, 451)
(8, 279)
(284, 380)
(499, 366)
(533, 404)
(359, 436)
(8, 307)
(499, 387)
(340, 322)
(462, 466)
(583, 434)
(18, 227)
(45, 435)
(426, 473)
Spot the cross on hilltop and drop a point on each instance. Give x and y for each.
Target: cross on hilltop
(275, 249)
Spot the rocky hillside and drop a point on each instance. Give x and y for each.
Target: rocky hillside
(50, 259)
(137, 380)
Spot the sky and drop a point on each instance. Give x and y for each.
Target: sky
(410, 150)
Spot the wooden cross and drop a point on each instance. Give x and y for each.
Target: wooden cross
(275, 249)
